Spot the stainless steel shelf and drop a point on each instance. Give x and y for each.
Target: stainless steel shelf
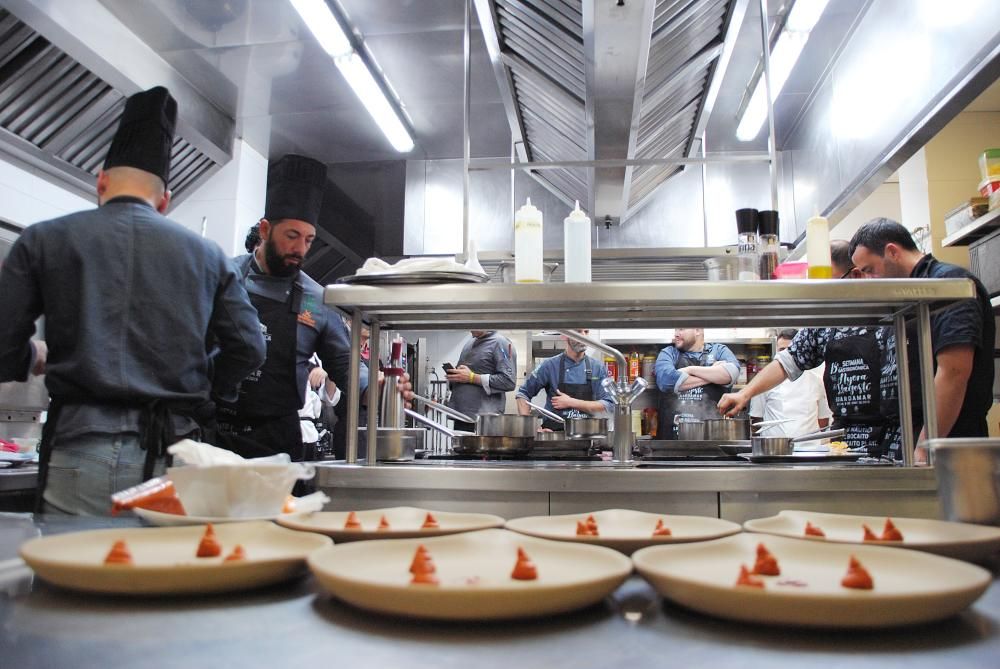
(646, 304)
(975, 230)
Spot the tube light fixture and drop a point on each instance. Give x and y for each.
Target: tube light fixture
(801, 20)
(331, 36)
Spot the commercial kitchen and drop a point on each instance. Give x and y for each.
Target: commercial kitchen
(441, 122)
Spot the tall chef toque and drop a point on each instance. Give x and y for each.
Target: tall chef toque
(295, 189)
(145, 133)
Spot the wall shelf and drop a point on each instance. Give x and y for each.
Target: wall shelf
(975, 230)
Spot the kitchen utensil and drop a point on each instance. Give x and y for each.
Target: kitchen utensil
(689, 428)
(491, 424)
(394, 444)
(391, 402)
(464, 443)
(727, 429)
(783, 445)
(576, 428)
(443, 408)
(769, 423)
(505, 271)
(968, 475)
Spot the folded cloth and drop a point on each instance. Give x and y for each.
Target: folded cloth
(407, 265)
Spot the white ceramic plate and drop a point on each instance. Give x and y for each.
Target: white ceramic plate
(404, 523)
(910, 587)
(474, 572)
(164, 559)
(959, 540)
(161, 519)
(625, 530)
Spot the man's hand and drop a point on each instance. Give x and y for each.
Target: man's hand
(731, 404)
(316, 377)
(460, 374)
(405, 388)
(562, 401)
(41, 356)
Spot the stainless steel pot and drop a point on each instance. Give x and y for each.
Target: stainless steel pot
(786, 445)
(576, 428)
(727, 429)
(393, 444)
(491, 424)
(689, 428)
(465, 443)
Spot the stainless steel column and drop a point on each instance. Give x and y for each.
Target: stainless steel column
(374, 339)
(466, 111)
(772, 150)
(927, 370)
(353, 385)
(903, 376)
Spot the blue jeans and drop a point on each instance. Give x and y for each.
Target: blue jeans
(85, 470)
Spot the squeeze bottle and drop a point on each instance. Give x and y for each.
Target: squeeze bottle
(576, 246)
(528, 244)
(818, 248)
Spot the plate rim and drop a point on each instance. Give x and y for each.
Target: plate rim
(374, 535)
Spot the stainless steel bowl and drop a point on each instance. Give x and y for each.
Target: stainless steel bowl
(968, 476)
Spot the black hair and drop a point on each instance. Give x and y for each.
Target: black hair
(878, 232)
(253, 238)
(787, 333)
(840, 255)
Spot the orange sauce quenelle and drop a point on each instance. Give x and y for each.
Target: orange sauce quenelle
(237, 555)
(422, 567)
(857, 577)
(524, 568)
(592, 525)
(119, 554)
(766, 564)
(430, 522)
(747, 579)
(890, 532)
(813, 531)
(383, 525)
(352, 522)
(209, 546)
(661, 530)
(869, 535)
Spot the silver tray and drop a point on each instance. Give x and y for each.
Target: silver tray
(403, 278)
(800, 458)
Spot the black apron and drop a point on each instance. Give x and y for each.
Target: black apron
(853, 378)
(700, 403)
(580, 391)
(265, 418)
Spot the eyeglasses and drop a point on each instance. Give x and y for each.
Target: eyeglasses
(847, 273)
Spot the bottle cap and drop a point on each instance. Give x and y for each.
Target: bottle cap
(746, 220)
(578, 214)
(767, 222)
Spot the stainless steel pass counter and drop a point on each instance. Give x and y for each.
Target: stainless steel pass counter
(297, 625)
(737, 493)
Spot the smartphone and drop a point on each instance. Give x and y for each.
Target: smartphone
(447, 367)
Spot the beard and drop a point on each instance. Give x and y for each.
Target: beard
(276, 263)
(577, 346)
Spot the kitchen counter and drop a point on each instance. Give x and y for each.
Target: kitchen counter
(296, 625)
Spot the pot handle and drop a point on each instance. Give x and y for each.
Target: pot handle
(420, 418)
(445, 409)
(822, 434)
(545, 412)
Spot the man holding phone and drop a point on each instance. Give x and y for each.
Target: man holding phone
(484, 375)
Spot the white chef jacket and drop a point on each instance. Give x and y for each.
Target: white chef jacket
(802, 400)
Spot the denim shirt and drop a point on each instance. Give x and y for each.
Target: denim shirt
(131, 302)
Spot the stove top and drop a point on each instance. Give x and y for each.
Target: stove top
(534, 456)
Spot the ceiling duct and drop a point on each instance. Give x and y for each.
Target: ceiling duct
(587, 80)
(58, 116)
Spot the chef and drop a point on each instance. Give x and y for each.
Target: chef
(860, 377)
(296, 324)
(572, 383)
(692, 376)
(484, 374)
(130, 299)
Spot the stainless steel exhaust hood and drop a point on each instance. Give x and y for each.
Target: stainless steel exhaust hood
(59, 110)
(586, 80)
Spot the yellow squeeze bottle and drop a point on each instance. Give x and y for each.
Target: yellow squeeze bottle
(818, 248)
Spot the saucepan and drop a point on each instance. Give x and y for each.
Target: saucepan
(689, 428)
(465, 443)
(393, 444)
(576, 428)
(785, 445)
(491, 424)
(727, 429)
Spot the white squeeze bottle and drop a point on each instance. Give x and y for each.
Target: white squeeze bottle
(528, 244)
(576, 246)
(818, 248)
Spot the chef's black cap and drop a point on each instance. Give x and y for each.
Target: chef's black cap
(295, 189)
(145, 133)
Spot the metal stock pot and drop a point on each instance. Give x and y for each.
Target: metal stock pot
(785, 445)
(465, 443)
(727, 429)
(491, 424)
(576, 428)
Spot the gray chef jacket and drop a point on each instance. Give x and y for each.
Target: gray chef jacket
(491, 355)
(321, 330)
(131, 301)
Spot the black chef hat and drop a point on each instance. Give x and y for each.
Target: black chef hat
(145, 133)
(295, 189)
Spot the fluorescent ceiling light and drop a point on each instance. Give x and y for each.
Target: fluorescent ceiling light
(330, 34)
(791, 41)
